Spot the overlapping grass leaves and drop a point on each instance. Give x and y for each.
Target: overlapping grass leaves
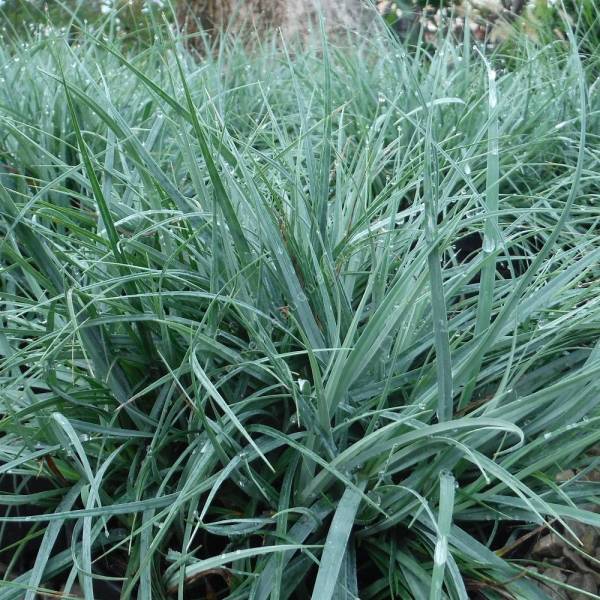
(305, 326)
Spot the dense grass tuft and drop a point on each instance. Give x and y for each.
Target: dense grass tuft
(295, 322)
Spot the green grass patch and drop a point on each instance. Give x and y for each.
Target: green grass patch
(294, 322)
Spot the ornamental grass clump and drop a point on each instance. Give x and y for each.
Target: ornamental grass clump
(295, 322)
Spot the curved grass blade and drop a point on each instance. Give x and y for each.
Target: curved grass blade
(336, 544)
(444, 523)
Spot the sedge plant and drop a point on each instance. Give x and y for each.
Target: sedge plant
(295, 321)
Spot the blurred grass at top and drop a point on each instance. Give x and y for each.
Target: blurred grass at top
(133, 19)
(543, 19)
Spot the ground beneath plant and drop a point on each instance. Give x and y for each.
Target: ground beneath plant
(552, 552)
(559, 557)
